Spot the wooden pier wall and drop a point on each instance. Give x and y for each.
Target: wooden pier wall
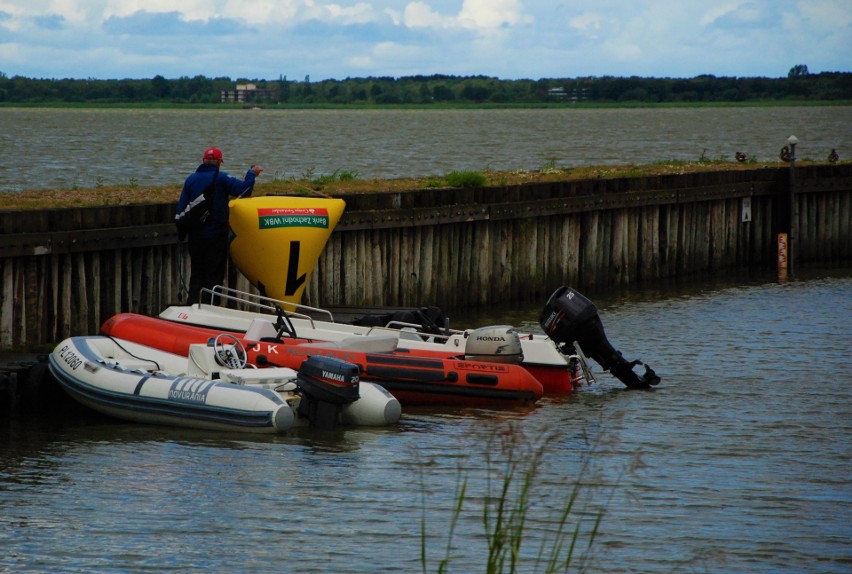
(65, 271)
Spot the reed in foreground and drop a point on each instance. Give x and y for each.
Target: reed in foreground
(526, 525)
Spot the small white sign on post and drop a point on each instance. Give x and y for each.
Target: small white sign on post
(746, 209)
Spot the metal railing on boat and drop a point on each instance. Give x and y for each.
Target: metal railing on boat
(245, 300)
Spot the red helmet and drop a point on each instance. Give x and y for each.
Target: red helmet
(212, 153)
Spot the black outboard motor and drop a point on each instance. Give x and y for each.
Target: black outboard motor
(327, 383)
(569, 316)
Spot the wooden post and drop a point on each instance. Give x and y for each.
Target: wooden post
(783, 256)
(792, 226)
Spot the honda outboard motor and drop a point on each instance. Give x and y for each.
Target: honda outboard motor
(569, 316)
(497, 344)
(327, 383)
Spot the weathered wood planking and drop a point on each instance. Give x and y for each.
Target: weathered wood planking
(63, 272)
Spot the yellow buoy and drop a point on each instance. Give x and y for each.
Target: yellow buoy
(277, 240)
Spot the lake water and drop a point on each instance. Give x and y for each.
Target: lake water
(740, 461)
(86, 148)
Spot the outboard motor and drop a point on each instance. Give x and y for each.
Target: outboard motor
(327, 383)
(569, 316)
(497, 344)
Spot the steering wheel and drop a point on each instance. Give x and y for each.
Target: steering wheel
(283, 324)
(229, 351)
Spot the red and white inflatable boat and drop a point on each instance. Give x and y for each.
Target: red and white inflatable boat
(414, 377)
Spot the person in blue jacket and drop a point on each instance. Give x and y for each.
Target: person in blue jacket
(208, 244)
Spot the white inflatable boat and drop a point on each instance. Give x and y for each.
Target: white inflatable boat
(211, 389)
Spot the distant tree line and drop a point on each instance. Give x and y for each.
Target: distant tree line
(798, 85)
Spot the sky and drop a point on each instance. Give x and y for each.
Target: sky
(339, 39)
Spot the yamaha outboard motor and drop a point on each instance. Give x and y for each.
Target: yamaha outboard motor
(569, 316)
(327, 383)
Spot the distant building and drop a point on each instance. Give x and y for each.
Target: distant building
(556, 93)
(579, 95)
(247, 93)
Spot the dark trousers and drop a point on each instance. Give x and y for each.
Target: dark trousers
(208, 262)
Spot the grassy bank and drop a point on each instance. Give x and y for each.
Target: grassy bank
(430, 106)
(344, 183)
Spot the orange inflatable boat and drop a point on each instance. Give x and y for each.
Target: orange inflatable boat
(413, 377)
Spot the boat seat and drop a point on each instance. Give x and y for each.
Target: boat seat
(360, 343)
(269, 378)
(406, 333)
(261, 329)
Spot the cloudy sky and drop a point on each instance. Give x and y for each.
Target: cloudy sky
(508, 39)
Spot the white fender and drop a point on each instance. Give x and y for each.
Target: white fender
(376, 407)
(284, 418)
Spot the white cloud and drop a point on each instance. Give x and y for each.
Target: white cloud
(491, 14)
(190, 10)
(340, 38)
(477, 15)
(827, 15)
(588, 24)
(421, 15)
(625, 52)
(395, 16)
(358, 14)
(72, 10)
(359, 62)
(736, 14)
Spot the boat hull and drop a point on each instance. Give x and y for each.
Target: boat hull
(83, 369)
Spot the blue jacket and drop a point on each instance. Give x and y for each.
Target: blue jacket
(226, 187)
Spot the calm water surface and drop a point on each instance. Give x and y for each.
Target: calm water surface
(738, 462)
(66, 149)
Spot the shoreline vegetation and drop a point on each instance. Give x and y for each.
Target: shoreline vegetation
(586, 105)
(342, 183)
(799, 87)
